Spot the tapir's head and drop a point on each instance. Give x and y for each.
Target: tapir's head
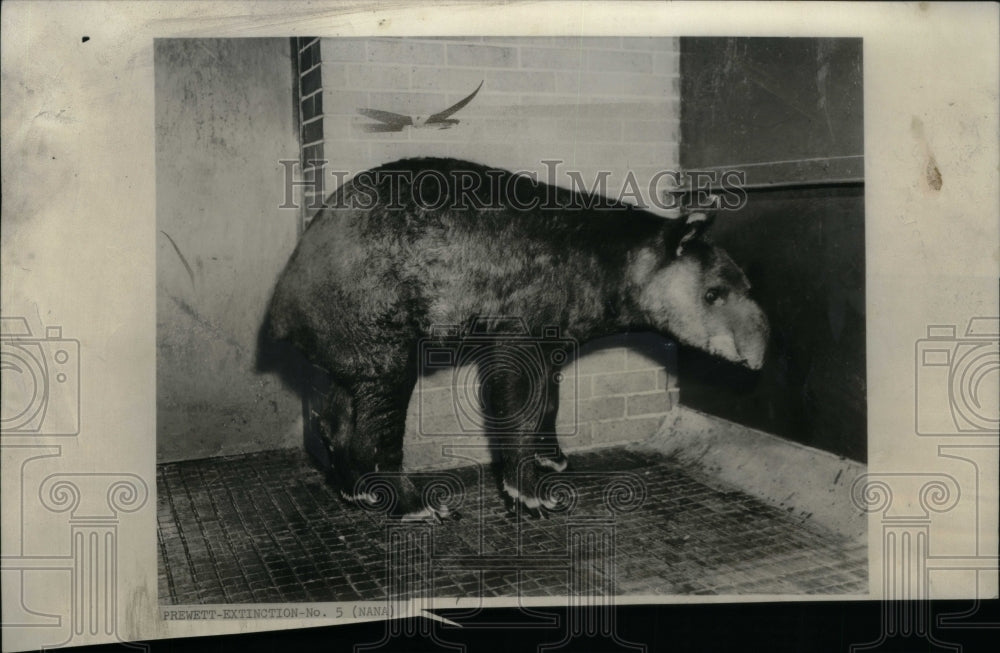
(692, 290)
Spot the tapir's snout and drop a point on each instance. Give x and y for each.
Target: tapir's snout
(743, 336)
(752, 335)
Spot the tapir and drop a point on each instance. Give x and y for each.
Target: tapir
(402, 249)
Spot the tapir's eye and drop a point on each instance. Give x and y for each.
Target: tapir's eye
(715, 296)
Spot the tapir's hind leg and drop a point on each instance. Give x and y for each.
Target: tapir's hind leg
(379, 422)
(337, 430)
(375, 445)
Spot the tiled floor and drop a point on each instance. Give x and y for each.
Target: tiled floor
(266, 527)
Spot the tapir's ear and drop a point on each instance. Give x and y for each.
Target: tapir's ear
(691, 228)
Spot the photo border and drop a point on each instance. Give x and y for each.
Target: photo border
(78, 117)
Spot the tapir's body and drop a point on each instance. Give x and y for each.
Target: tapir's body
(379, 268)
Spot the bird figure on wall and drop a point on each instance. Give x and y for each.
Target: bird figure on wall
(396, 122)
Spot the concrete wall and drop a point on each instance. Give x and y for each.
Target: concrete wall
(801, 236)
(812, 388)
(224, 119)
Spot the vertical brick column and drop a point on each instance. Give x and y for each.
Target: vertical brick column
(311, 83)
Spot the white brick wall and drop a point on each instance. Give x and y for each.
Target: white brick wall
(608, 396)
(595, 103)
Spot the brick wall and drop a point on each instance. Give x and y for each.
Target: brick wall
(595, 103)
(617, 391)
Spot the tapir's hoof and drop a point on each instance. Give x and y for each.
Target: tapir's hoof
(556, 463)
(364, 498)
(526, 504)
(406, 509)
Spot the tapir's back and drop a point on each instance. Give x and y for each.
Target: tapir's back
(404, 246)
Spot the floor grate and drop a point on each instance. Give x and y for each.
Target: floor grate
(266, 527)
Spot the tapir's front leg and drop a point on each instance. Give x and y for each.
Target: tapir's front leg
(548, 455)
(520, 420)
